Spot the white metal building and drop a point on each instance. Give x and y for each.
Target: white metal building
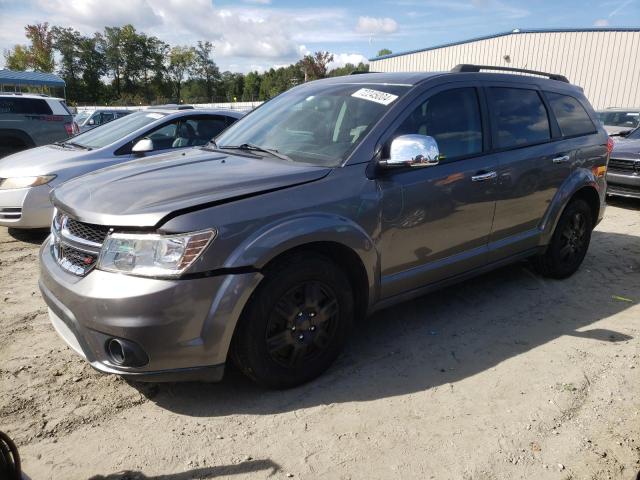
(604, 61)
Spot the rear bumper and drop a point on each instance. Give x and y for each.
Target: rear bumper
(623, 185)
(184, 326)
(26, 207)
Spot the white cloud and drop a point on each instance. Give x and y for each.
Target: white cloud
(375, 26)
(341, 59)
(601, 22)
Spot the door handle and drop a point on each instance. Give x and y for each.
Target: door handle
(562, 159)
(483, 177)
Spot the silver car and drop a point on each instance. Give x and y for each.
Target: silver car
(88, 119)
(27, 178)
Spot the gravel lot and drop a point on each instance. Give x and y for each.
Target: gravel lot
(505, 376)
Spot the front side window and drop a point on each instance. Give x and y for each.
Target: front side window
(572, 118)
(106, 117)
(520, 117)
(319, 124)
(114, 131)
(452, 118)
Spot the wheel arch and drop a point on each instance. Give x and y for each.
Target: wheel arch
(582, 184)
(24, 137)
(337, 238)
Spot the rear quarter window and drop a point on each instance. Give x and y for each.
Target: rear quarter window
(24, 106)
(572, 118)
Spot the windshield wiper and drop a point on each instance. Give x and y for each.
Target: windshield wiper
(256, 148)
(73, 144)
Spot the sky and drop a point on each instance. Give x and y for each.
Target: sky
(260, 34)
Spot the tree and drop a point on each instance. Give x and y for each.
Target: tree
(41, 46)
(315, 66)
(111, 45)
(348, 69)
(67, 42)
(93, 64)
(384, 51)
(204, 66)
(18, 59)
(181, 63)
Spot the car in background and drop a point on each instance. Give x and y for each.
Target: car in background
(623, 172)
(27, 178)
(29, 120)
(88, 119)
(617, 120)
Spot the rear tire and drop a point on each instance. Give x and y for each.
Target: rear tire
(295, 323)
(569, 243)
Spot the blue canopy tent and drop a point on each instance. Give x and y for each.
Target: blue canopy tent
(39, 80)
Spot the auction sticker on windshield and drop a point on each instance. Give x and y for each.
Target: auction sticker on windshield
(374, 96)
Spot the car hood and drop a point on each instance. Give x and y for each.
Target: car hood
(626, 149)
(40, 161)
(142, 193)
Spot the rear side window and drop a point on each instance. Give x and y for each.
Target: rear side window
(452, 118)
(25, 106)
(520, 117)
(572, 118)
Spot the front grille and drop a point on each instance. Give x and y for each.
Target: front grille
(87, 231)
(623, 190)
(10, 213)
(623, 166)
(76, 245)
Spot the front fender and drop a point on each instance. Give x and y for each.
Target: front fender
(274, 239)
(579, 178)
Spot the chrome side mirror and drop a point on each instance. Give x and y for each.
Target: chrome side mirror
(413, 151)
(143, 146)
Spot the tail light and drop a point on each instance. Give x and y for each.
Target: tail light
(69, 128)
(609, 145)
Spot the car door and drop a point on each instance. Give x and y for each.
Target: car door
(532, 164)
(435, 221)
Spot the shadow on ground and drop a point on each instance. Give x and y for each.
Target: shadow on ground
(443, 337)
(266, 466)
(624, 202)
(34, 236)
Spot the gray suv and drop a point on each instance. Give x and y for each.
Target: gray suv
(30, 120)
(335, 199)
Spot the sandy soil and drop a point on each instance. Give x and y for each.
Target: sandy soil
(505, 376)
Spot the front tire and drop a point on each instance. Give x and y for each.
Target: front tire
(569, 243)
(296, 322)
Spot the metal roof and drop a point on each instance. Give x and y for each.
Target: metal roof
(12, 77)
(515, 31)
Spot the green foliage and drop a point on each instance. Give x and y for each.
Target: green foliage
(384, 51)
(18, 59)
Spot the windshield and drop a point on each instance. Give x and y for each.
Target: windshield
(620, 119)
(81, 117)
(115, 130)
(318, 124)
(635, 135)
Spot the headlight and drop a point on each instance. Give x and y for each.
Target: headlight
(24, 182)
(153, 255)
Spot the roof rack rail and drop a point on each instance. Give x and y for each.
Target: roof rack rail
(465, 67)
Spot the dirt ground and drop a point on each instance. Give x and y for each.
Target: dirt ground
(505, 376)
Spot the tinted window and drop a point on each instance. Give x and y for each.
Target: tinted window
(107, 117)
(520, 117)
(24, 106)
(571, 116)
(452, 118)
